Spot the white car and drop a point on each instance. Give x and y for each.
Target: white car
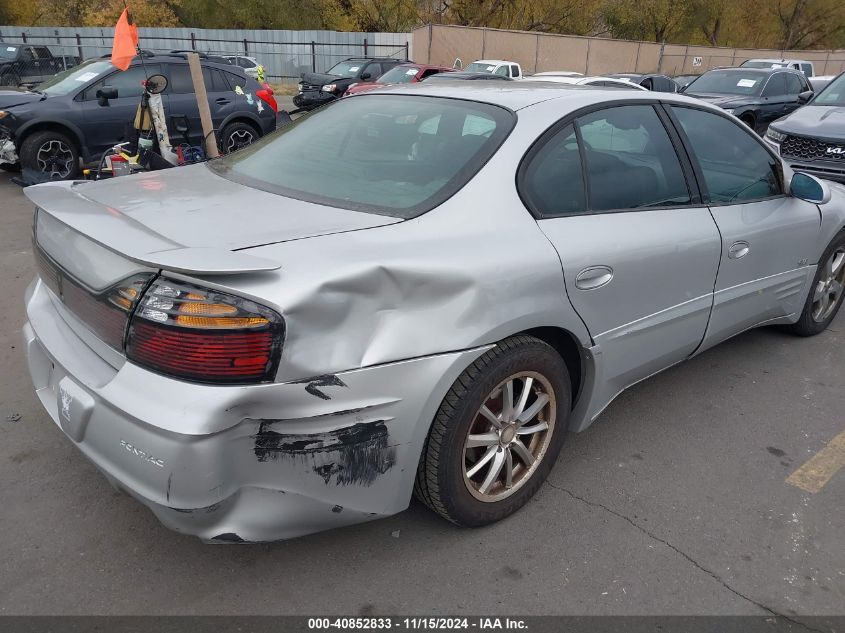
(249, 64)
(604, 82)
(496, 67)
(796, 64)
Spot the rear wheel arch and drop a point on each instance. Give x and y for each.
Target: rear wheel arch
(567, 346)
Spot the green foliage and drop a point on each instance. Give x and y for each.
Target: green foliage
(745, 23)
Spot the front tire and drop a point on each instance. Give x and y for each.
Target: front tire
(826, 293)
(497, 433)
(49, 155)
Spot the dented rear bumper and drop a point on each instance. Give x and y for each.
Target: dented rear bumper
(234, 464)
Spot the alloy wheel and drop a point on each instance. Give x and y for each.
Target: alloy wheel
(829, 288)
(55, 159)
(239, 139)
(509, 436)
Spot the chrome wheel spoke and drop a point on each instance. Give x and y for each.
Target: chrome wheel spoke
(491, 417)
(508, 469)
(481, 462)
(482, 439)
(821, 291)
(837, 263)
(495, 470)
(507, 401)
(523, 397)
(522, 452)
(534, 428)
(541, 401)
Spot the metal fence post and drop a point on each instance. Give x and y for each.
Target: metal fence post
(193, 41)
(23, 37)
(407, 49)
(246, 48)
(313, 56)
(365, 47)
(79, 47)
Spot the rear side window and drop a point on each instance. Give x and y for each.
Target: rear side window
(552, 182)
(630, 160)
(735, 166)
(181, 83)
(396, 155)
(514, 71)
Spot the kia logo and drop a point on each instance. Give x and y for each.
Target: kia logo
(836, 150)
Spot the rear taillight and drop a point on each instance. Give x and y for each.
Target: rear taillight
(204, 335)
(266, 95)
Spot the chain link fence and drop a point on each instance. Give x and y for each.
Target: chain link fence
(28, 57)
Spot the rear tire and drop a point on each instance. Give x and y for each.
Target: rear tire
(826, 293)
(237, 135)
(49, 155)
(453, 478)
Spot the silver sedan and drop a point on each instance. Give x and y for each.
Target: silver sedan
(416, 290)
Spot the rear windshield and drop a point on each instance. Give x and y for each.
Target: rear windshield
(729, 82)
(396, 155)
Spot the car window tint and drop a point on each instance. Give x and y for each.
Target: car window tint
(42, 52)
(807, 69)
(794, 85)
(397, 155)
(181, 82)
(375, 70)
(776, 85)
(552, 183)
(127, 82)
(736, 167)
(514, 71)
(27, 54)
(630, 160)
(234, 80)
(502, 71)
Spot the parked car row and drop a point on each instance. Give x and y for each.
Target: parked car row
(29, 65)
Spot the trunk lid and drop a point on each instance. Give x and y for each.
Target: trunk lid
(189, 219)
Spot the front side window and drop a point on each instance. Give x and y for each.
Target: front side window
(630, 160)
(776, 86)
(128, 82)
(552, 182)
(794, 85)
(735, 166)
(374, 70)
(502, 71)
(396, 155)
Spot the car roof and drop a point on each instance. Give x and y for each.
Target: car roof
(516, 95)
(778, 61)
(470, 75)
(759, 71)
(375, 59)
(492, 61)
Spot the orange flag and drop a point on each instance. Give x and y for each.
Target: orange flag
(125, 41)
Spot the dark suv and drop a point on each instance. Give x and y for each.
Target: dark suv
(67, 118)
(812, 139)
(317, 89)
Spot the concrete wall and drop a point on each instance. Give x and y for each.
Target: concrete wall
(538, 52)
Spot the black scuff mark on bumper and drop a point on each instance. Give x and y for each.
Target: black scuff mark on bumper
(354, 455)
(314, 384)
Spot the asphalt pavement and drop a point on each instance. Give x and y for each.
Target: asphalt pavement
(674, 502)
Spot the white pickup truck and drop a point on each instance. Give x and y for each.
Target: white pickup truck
(798, 64)
(495, 67)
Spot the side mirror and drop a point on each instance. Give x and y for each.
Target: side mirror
(805, 96)
(366, 76)
(809, 188)
(105, 93)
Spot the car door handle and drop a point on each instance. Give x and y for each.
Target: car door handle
(221, 101)
(739, 250)
(593, 277)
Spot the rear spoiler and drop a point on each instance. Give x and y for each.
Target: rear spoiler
(120, 234)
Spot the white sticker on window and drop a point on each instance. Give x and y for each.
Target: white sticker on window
(11, 49)
(490, 69)
(746, 83)
(412, 71)
(354, 69)
(86, 76)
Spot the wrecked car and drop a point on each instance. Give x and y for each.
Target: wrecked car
(421, 289)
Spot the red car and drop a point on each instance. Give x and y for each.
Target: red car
(402, 74)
